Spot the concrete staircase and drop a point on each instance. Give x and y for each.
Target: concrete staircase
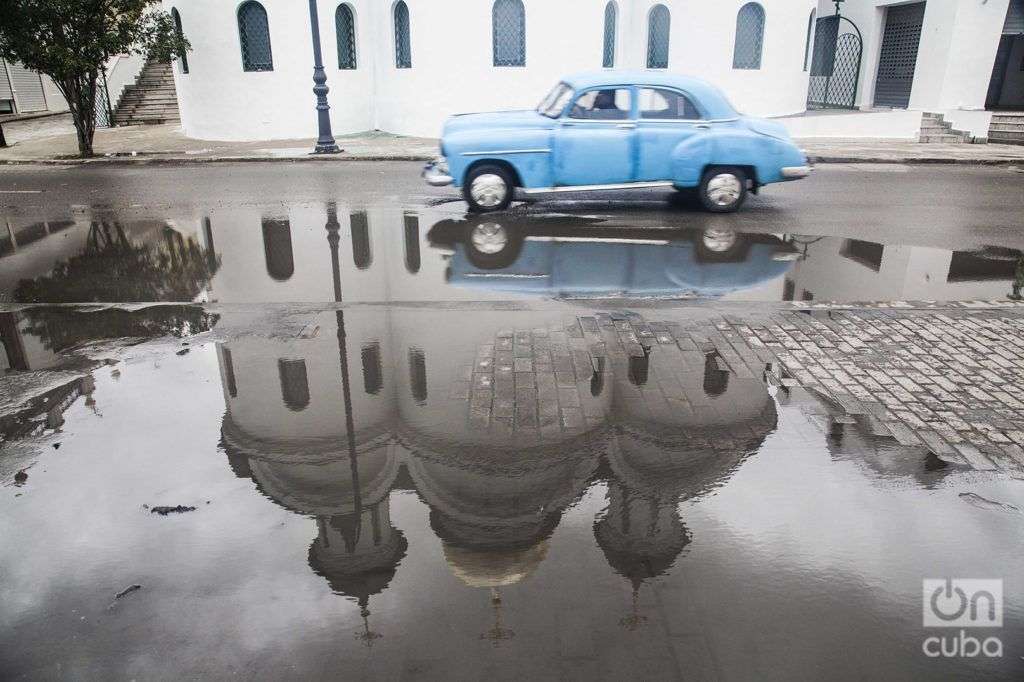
(152, 99)
(1007, 128)
(934, 128)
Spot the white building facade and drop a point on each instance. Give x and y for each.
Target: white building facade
(405, 66)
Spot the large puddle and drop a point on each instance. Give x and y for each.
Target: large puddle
(445, 478)
(331, 252)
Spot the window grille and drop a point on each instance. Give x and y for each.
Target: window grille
(658, 24)
(746, 52)
(183, 60)
(508, 32)
(610, 24)
(254, 34)
(345, 30)
(403, 47)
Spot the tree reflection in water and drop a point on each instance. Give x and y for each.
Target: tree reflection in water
(115, 269)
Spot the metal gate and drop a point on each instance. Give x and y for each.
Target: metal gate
(898, 55)
(835, 64)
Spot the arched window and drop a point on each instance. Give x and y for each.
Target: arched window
(277, 248)
(345, 31)
(412, 242)
(294, 384)
(716, 379)
(807, 45)
(508, 32)
(362, 256)
(418, 375)
(254, 36)
(611, 15)
(746, 53)
(658, 23)
(183, 61)
(403, 48)
(373, 371)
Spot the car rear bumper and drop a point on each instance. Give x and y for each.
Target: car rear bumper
(795, 172)
(436, 173)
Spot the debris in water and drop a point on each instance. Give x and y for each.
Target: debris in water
(183, 351)
(128, 590)
(20, 477)
(164, 511)
(985, 503)
(56, 446)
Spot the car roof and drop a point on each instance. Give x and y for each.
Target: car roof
(711, 98)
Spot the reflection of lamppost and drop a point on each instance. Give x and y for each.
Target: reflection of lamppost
(325, 144)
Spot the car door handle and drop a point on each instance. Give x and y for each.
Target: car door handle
(625, 125)
(702, 126)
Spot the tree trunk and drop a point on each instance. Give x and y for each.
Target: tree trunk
(80, 94)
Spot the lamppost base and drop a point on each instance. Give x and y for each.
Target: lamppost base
(330, 148)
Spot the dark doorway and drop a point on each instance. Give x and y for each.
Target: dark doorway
(1006, 85)
(898, 57)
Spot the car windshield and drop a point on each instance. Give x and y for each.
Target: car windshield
(554, 103)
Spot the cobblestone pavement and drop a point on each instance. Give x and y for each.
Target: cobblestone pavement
(945, 380)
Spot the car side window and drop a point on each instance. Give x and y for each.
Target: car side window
(667, 104)
(608, 104)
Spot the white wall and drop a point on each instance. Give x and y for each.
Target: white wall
(958, 45)
(452, 71)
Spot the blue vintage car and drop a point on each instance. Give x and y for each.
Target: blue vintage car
(564, 257)
(617, 130)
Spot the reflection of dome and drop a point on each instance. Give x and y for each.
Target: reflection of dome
(687, 461)
(314, 477)
(494, 568)
(501, 499)
(358, 572)
(640, 536)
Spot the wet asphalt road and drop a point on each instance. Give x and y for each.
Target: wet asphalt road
(839, 198)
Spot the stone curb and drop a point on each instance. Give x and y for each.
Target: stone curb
(146, 159)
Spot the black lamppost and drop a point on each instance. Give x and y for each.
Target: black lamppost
(325, 144)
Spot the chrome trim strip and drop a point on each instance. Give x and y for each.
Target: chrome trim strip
(687, 120)
(508, 151)
(596, 240)
(794, 172)
(591, 188)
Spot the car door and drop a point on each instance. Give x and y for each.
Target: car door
(666, 117)
(594, 142)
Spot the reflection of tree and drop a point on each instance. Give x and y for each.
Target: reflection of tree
(113, 268)
(62, 328)
(1018, 279)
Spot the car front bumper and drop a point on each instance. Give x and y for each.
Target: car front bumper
(436, 173)
(795, 172)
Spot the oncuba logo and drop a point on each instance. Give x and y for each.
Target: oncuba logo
(962, 603)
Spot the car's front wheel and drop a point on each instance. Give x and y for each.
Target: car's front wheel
(723, 189)
(488, 188)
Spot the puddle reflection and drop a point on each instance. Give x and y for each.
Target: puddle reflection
(286, 254)
(498, 434)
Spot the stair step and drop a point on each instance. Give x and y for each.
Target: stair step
(943, 139)
(1005, 135)
(1008, 118)
(1008, 127)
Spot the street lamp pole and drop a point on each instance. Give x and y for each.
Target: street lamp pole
(325, 144)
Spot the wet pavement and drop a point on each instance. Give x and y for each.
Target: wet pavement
(315, 426)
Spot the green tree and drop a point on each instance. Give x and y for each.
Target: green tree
(71, 40)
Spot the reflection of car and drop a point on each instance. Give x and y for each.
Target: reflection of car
(617, 130)
(556, 258)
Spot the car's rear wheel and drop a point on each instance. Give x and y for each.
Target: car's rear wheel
(723, 189)
(488, 188)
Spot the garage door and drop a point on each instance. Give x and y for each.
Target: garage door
(898, 55)
(28, 89)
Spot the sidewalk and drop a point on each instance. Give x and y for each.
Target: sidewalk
(166, 144)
